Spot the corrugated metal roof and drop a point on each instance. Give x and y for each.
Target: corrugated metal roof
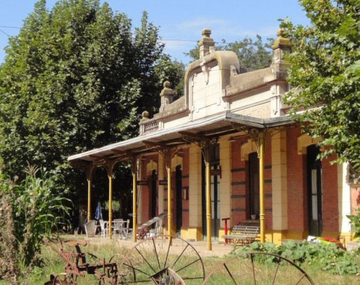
(208, 127)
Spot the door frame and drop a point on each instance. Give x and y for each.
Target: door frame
(178, 198)
(315, 196)
(254, 186)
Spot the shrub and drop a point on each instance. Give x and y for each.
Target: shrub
(355, 223)
(326, 257)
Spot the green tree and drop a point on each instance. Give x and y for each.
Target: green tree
(76, 77)
(252, 54)
(325, 75)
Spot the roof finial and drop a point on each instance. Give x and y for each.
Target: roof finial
(206, 45)
(281, 47)
(281, 41)
(167, 95)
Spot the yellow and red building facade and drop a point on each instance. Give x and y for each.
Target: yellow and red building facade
(227, 150)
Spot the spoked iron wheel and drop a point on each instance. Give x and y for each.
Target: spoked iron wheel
(258, 268)
(164, 261)
(118, 276)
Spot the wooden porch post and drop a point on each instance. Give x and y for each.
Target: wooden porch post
(168, 154)
(134, 175)
(261, 186)
(168, 157)
(110, 169)
(208, 195)
(89, 176)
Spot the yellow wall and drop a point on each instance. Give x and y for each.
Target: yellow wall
(195, 187)
(225, 181)
(191, 234)
(279, 180)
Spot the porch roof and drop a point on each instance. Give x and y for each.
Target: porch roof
(208, 127)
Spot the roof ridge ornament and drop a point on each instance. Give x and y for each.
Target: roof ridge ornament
(281, 47)
(206, 44)
(167, 95)
(281, 41)
(206, 47)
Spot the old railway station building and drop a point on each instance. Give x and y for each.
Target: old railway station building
(227, 150)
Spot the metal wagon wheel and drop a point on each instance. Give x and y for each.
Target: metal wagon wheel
(258, 268)
(163, 261)
(119, 277)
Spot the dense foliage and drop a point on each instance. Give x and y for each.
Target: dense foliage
(77, 77)
(252, 54)
(355, 223)
(29, 211)
(325, 71)
(325, 256)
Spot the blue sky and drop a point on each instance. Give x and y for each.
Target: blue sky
(180, 21)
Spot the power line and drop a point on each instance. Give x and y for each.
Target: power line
(181, 40)
(9, 27)
(177, 40)
(5, 33)
(161, 40)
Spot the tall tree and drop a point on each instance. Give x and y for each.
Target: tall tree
(252, 54)
(75, 78)
(325, 75)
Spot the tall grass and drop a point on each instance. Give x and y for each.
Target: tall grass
(29, 211)
(265, 272)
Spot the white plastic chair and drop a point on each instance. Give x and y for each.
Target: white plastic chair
(104, 227)
(90, 228)
(118, 225)
(125, 229)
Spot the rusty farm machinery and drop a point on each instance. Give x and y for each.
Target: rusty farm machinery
(167, 261)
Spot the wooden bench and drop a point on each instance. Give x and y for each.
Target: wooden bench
(242, 234)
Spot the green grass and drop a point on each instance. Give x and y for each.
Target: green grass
(241, 268)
